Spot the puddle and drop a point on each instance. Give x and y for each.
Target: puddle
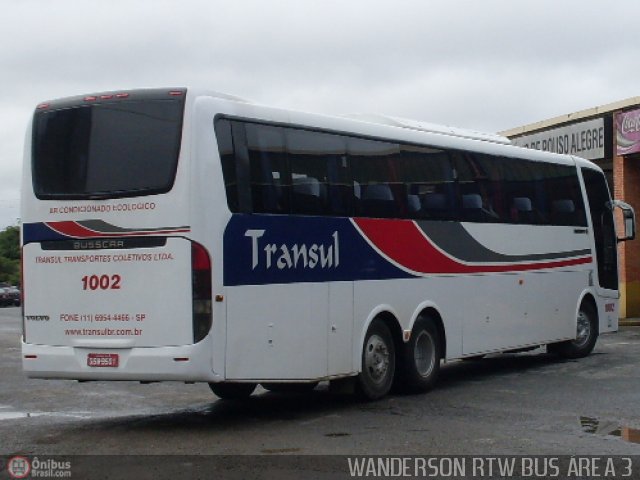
(606, 427)
(13, 415)
(17, 415)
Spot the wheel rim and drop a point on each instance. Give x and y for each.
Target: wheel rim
(376, 359)
(424, 353)
(583, 331)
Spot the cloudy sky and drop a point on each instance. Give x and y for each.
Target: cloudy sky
(482, 64)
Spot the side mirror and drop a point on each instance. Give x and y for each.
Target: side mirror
(629, 220)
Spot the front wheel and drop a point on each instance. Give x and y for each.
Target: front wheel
(378, 362)
(586, 335)
(232, 391)
(420, 358)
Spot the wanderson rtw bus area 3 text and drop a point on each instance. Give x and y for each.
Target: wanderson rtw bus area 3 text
(174, 234)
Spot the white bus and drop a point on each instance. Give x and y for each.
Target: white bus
(192, 236)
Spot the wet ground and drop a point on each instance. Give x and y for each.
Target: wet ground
(519, 404)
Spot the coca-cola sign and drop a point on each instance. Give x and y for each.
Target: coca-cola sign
(627, 132)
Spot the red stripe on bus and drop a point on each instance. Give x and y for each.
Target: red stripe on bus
(404, 243)
(73, 229)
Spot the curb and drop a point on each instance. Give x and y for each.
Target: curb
(629, 322)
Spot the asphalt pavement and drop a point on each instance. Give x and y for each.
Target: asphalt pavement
(516, 404)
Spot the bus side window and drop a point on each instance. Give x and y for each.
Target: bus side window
(524, 192)
(228, 159)
(565, 196)
(479, 192)
(603, 227)
(374, 169)
(428, 176)
(340, 187)
(269, 177)
(319, 173)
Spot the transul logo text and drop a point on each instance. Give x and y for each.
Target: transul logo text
(283, 256)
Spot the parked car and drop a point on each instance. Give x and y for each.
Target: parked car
(5, 298)
(14, 296)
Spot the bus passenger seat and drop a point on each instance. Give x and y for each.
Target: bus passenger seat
(472, 207)
(357, 190)
(306, 196)
(563, 212)
(435, 205)
(377, 201)
(522, 210)
(563, 206)
(413, 203)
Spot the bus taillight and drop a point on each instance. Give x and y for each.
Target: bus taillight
(201, 288)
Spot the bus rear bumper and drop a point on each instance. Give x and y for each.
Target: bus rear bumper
(180, 363)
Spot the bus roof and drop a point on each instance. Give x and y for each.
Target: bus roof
(429, 127)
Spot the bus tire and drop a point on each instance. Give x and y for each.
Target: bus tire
(586, 335)
(378, 362)
(232, 391)
(289, 387)
(420, 358)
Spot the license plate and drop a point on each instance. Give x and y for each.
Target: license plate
(103, 359)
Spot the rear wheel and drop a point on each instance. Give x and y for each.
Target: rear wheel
(378, 362)
(232, 391)
(420, 358)
(586, 335)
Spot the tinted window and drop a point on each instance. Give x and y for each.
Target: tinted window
(501, 189)
(564, 204)
(268, 172)
(603, 227)
(271, 169)
(320, 177)
(227, 157)
(378, 189)
(428, 176)
(522, 183)
(480, 192)
(107, 150)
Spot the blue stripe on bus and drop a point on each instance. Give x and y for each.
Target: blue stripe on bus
(270, 249)
(39, 232)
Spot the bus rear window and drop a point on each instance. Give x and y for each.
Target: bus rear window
(107, 150)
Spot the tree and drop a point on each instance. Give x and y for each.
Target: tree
(10, 255)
